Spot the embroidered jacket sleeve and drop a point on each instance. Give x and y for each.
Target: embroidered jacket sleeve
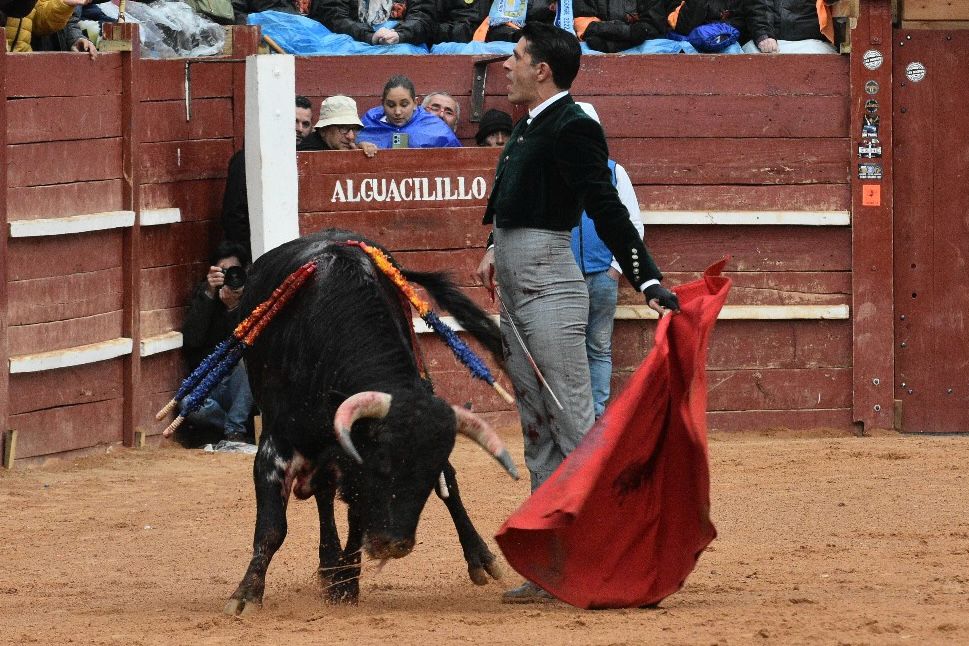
(582, 161)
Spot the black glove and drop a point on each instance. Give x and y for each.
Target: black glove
(663, 296)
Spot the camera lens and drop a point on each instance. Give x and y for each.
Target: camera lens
(235, 277)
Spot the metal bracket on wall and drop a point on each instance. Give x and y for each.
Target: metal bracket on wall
(478, 82)
(188, 79)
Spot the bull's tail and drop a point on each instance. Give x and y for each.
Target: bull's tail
(471, 317)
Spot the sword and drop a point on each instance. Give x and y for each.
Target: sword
(528, 355)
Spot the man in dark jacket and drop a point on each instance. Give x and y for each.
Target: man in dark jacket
(553, 166)
(621, 24)
(362, 19)
(212, 316)
(455, 20)
(791, 20)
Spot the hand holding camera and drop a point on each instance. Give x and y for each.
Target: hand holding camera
(228, 283)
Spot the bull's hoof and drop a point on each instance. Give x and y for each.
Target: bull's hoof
(479, 573)
(341, 592)
(235, 607)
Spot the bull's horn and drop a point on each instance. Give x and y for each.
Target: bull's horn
(481, 432)
(370, 403)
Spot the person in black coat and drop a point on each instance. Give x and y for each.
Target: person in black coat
(361, 19)
(742, 14)
(456, 20)
(621, 24)
(785, 20)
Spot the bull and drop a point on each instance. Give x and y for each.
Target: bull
(346, 411)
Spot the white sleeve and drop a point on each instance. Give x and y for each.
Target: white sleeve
(627, 195)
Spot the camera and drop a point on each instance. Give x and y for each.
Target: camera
(235, 277)
(400, 140)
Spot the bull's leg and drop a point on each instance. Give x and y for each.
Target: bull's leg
(272, 472)
(333, 568)
(481, 562)
(342, 581)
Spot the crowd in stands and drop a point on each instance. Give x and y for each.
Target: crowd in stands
(768, 26)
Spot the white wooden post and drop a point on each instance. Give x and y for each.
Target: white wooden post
(271, 180)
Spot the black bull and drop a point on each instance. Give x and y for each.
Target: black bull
(335, 374)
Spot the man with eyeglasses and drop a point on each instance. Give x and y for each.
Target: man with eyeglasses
(443, 105)
(337, 128)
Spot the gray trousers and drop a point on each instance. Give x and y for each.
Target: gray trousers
(546, 296)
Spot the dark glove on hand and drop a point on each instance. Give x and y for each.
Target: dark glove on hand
(663, 296)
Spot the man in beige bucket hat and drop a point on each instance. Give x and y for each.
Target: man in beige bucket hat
(337, 128)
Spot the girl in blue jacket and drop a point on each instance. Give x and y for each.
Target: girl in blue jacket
(400, 122)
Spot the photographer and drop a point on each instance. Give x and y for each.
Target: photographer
(212, 315)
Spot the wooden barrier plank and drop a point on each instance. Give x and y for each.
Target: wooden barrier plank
(162, 320)
(171, 285)
(935, 10)
(30, 391)
(778, 248)
(59, 200)
(57, 298)
(172, 161)
(338, 162)
(165, 120)
(430, 228)
(805, 197)
(34, 164)
(165, 79)
(797, 389)
(196, 199)
(756, 161)
(76, 75)
(600, 75)
(56, 430)
(58, 335)
(178, 244)
(33, 120)
(767, 287)
(724, 116)
(63, 255)
(781, 421)
(162, 372)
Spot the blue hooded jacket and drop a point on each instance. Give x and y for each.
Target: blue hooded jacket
(591, 253)
(424, 130)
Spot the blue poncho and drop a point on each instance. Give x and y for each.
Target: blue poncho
(424, 130)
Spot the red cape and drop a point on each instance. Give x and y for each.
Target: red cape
(624, 519)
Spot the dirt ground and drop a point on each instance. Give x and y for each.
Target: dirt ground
(822, 540)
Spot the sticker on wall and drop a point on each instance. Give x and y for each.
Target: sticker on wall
(871, 195)
(870, 148)
(872, 59)
(871, 106)
(869, 171)
(915, 71)
(872, 87)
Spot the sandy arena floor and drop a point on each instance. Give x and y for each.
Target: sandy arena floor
(822, 541)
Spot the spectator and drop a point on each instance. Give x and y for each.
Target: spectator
(792, 27)
(69, 39)
(602, 273)
(741, 14)
(212, 315)
(456, 20)
(242, 8)
(47, 18)
(505, 18)
(444, 106)
(338, 127)
(304, 119)
(616, 25)
(377, 22)
(400, 118)
(494, 129)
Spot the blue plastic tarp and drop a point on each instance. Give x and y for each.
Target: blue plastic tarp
(301, 35)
